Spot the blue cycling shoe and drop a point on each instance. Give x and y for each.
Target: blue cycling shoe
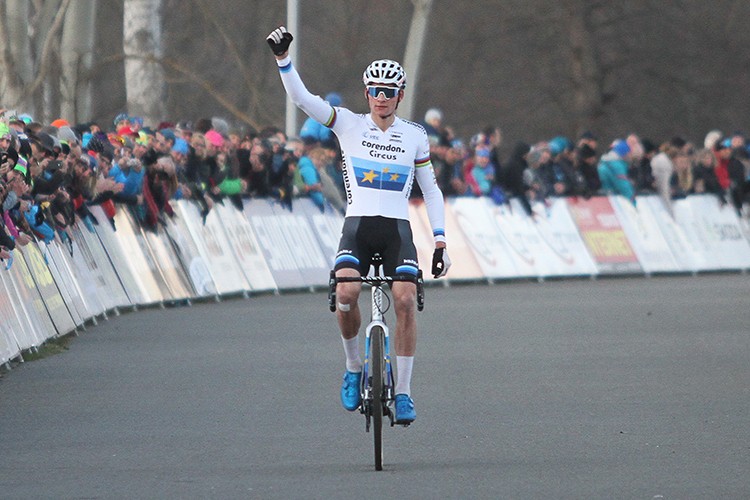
(405, 413)
(350, 396)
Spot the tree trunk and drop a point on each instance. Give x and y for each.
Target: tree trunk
(584, 67)
(76, 53)
(142, 45)
(413, 54)
(16, 63)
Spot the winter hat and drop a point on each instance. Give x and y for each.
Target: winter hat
(621, 148)
(333, 99)
(180, 146)
(215, 138)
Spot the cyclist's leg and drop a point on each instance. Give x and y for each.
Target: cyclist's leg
(349, 264)
(404, 298)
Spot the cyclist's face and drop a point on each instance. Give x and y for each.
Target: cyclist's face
(381, 106)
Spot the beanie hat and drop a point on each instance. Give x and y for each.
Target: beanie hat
(215, 138)
(621, 148)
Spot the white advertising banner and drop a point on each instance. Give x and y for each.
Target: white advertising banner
(90, 281)
(715, 229)
(569, 255)
(688, 255)
(66, 282)
(277, 251)
(326, 227)
(313, 263)
(643, 232)
(215, 249)
(187, 250)
(168, 265)
(92, 255)
(481, 233)
(138, 261)
(245, 247)
(11, 327)
(110, 243)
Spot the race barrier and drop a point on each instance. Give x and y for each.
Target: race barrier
(53, 290)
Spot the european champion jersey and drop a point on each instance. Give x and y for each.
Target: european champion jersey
(379, 166)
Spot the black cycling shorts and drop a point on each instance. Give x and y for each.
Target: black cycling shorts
(362, 237)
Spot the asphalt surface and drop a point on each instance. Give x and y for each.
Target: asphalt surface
(615, 388)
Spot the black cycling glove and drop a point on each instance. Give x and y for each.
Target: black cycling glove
(440, 262)
(279, 40)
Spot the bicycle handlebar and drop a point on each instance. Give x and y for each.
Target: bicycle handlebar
(374, 280)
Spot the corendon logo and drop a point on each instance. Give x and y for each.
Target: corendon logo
(383, 151)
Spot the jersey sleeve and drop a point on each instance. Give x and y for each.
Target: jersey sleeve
(433, 197)
(314, 106)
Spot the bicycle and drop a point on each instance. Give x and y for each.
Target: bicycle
(377, 384)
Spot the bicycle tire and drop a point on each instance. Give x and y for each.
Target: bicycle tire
(377, 368)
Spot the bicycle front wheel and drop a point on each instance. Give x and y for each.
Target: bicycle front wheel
(377, 370)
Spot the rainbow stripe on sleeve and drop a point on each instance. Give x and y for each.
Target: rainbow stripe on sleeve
(422, 163)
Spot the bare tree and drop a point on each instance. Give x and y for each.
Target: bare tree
(76, 56)
(142, 45)
(29, 55)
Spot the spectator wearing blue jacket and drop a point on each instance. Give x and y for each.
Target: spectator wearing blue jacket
(613, 171)
(128, 172)
(309, 168)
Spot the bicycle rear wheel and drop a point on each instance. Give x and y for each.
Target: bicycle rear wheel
(377, 369)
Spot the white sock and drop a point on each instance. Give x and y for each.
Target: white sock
(351, 349)
(404, 365)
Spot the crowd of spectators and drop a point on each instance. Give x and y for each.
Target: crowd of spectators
(50, 174)
(630, 165)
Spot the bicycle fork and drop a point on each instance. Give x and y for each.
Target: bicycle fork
(377, 320)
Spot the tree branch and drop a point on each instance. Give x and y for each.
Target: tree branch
(47, 47)
(206, 85)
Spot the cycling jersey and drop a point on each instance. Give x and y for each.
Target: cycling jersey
(379, 167)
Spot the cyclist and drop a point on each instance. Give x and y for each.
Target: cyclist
(382, 154)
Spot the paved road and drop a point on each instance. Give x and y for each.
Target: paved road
(617, 388)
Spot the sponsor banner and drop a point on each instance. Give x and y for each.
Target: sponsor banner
(211, 241)
(245, 247)
(603, 235)
(464, 265)
(28, 304)
(138, 260)
(66, 282)
(36, 274)
(525, 247)
(568, 255)
(88, 284)
(745, 226)
(105, 231)
(716, 230)
(643, 232)
(277, 251)
(11, 328)
(326, 227)
(688, 255)
(168, 265)
(92, 255)
(187, 250)
(482, 235)
(313, 263)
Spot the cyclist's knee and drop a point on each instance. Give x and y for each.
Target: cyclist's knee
(347, 295)
(405, 300)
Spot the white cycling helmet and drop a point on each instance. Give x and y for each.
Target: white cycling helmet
(385, 72)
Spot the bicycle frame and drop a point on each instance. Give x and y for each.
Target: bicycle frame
(377, 390)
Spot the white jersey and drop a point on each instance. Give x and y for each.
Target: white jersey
(379, 167)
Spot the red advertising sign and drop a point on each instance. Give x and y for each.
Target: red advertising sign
(604, 237)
